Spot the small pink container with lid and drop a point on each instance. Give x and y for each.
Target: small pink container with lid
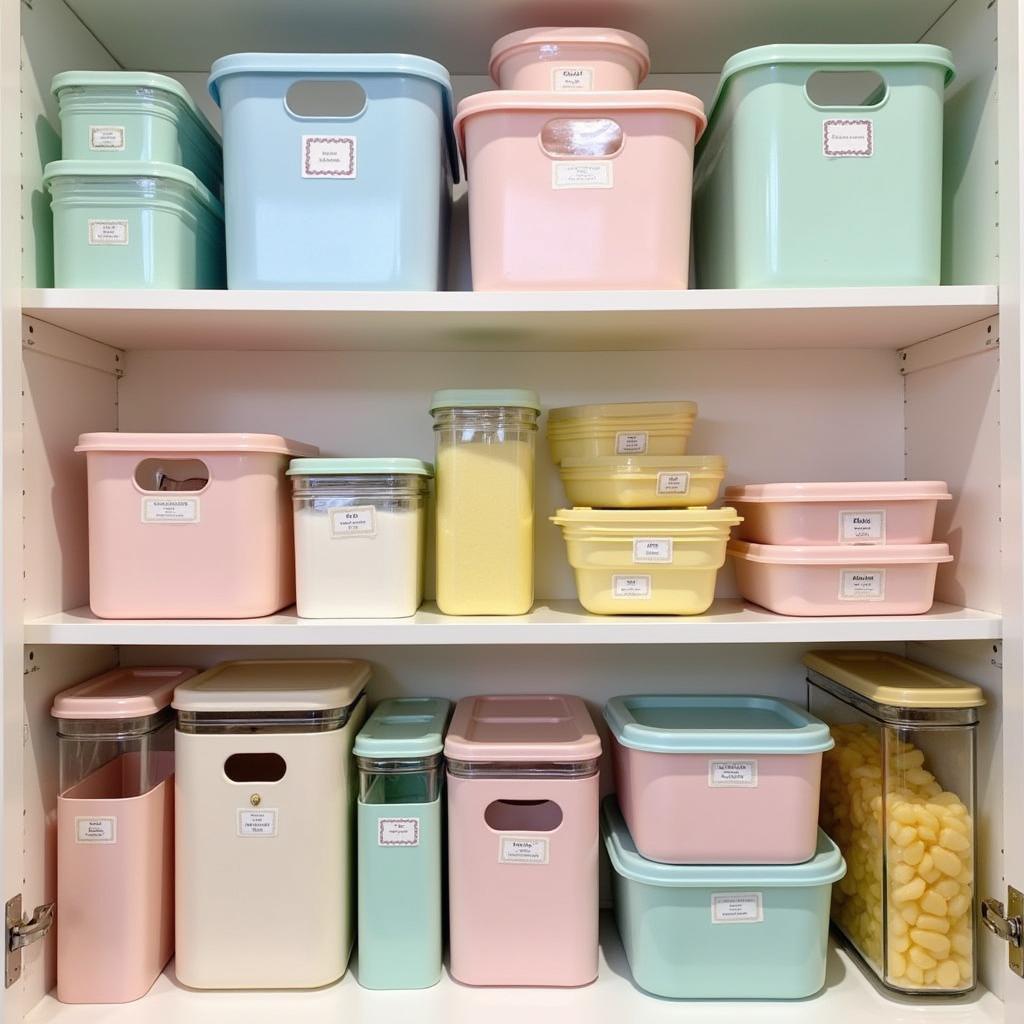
(523, 841)
(570, 60)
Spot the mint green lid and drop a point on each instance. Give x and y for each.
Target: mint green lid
(404, 728)
(359, 467)
(485, 398)
(824, 868)
(715, 725)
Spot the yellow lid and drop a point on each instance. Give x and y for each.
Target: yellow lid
(893, 681)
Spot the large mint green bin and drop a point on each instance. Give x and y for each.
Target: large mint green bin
(721, 932)
(401, 834)
(794, 193)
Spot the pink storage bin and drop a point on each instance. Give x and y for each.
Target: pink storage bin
(898, 579)
(879, 512)
(523, 841)
(570, 60)
(190, 525)
(718, 780)
(579, 190)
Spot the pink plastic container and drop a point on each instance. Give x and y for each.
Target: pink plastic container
(115, 834)
(880, 512)
(570, 60)
(523, 841)
(898, 579)
(579, 190)
(718, 780)
(189, 525)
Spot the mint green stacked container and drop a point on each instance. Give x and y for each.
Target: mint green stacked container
(400, 829)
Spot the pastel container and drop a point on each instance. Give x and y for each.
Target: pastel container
(337, 170)
(748, 769)
(880, 512)
(133, 224)
(579, 190)
(400, 826)
(898, 579)
(523, 841)
(721, 932)
(620, 428)
(569, 60)
(789, 192)
(653, 562)
(189, 525)
(643, 481)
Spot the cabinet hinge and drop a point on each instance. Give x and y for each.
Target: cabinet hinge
(21, 933)
(1008, 923)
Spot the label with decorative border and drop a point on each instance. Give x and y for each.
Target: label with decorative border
(633, 442)
(108, 232)
(631, 587)
(329, 156)
(106, 137)
(861, 584)
(737, 908)
(857, 526)
(652, 549)
(96, 830)
(522, 850)
(732, 774)
(398, 831)
(673, 483)
(842, 136)
(170, 510)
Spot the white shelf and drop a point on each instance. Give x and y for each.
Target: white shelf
(885, 318)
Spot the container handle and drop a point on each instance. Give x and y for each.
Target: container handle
(325, 99)
(160, 476)
(846, 88)
(581, 138)
(523, 815)
(265, 766)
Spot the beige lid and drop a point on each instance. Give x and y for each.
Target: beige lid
(622, 410)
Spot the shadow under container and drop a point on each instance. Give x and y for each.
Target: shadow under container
(264, 823)
(401, 843)
(523, 841)
(898, 796)
(115, 834)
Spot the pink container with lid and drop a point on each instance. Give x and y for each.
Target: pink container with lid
(523, 841)
(189, 525)
(877, 512)
(897, 579)
(579, 190)
(570, 60)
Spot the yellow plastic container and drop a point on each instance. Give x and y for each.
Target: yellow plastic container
(620, 428)
(650, 562)
(643, 481)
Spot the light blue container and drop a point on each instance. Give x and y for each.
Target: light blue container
(721, 932)
(338, 170)
(400, 826)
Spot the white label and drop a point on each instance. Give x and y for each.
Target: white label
(398, 831)
(631, 586)
(862, 585)
(736, 908)
(572, 79)
(631, 443)
(170, 510)
(844, 137)
(96, 830)
(673, 483)
(108, 232)
(732, 774)
(259, 824)
(328, 156)
(353, 522)
(522, 850)
(652, 549)
(581, 174)
(856, 527)
(106, 136)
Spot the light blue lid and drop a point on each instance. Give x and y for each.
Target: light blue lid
(715, 725)
(405, 728)
(824, 868)
(360, 467)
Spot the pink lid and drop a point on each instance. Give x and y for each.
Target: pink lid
(840, 554)
(187, 444)
(530, 38)
(121, 693)
(875, 490)
(522, 728)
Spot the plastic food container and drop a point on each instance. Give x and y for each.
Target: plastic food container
(579, 190)
(719, 932)
(337, 169)
(570, 60)
(854, 132)
(658, 562)
(523, 841)
(643, 481)
(400, 826)
(747, 768)
(135, 115)
(264, 830)
(485, 442)
(131, 224)
(882, 512)
(620, 428)
(898, 797)
(115, 834)
(359, 534)
(189, 525)
(898, 579)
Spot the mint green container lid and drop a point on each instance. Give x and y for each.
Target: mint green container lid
(404, 728)
(824, 868)
(715, 725)
(359, 467)
(485, 398)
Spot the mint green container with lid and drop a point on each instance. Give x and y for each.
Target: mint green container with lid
(400, 829)
(822, 166)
